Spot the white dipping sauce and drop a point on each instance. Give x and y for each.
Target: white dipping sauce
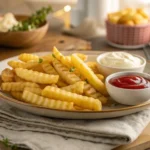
(7, 22)
(121, 60)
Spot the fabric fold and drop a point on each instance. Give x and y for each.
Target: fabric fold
(110, 132)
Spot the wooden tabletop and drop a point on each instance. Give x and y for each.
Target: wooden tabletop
(64, 42)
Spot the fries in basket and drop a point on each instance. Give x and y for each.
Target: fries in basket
(55, 81)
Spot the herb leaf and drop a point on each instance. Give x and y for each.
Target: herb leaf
(14, 147)
(40, 60)
(8, 144)
(72, 69)
(34, 21)
(53, 55)
(5, 142)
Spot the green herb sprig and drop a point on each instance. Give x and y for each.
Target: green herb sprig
(8, 144)
(72, 69)
(33, 22)
(53, 55)
(40, 60)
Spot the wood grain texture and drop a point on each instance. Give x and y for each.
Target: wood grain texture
(62, 42)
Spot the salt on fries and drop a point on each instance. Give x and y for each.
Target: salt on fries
(55, 81)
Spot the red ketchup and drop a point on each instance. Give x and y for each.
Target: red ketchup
(130, 82)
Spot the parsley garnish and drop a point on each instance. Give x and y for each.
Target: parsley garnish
(7, 144)
(53, 55)
(72, 69)
(36, 20)
(40, 60)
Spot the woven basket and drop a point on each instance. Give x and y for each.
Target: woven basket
(128, 35)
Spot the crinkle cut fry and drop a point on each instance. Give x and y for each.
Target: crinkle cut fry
(71, 78)
(65, 74)
(37, 77)
(89, 74)
(17, 95)
(64, 60)
(91, 92)
(75, 88)
(48, 68)
(17, 86)
(25, 57)
(79, 100)
(46, 102)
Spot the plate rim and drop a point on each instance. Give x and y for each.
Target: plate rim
(129, 47)
(7, 98)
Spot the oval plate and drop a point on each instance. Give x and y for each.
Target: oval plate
(112, 109)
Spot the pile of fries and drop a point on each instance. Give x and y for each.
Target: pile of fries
(129, 16)
(55, 81)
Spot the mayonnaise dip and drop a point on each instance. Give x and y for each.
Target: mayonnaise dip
(7, 22)
(120, 60)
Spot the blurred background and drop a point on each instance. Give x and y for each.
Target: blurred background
(87, 16)
(102, 6)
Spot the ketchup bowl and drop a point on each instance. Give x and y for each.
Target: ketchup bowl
(129, 88)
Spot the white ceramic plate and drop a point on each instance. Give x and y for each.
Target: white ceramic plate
(125, 46)
(112, 110)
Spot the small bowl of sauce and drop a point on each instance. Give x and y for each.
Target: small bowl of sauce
(111, 62)
(130, 82)
(129, 88)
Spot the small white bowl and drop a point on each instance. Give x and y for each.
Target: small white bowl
(107, 70)
(128, 96)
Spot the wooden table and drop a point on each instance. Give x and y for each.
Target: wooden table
(70, 43)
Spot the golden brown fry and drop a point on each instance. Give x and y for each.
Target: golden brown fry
(38, 68)
(46, 102)
(114, 17)
(16, 64)
(100, 76)
(17, 95)
(93, 67)
(81, 56)
(75, 88)
(32, 64)
(89, 74)
(142, 12)
(54, 85)
(18, 79)
(65, 74)
(47, 58)
(91, 92)
(65, 61)
(27, 57)
(25, 65)
(129, 22)
(7, 75)
(34, 90)
(79, 100)
(71, 78)
(17, 86)
(36, 77)
(48, 68)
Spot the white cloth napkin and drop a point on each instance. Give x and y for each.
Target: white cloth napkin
(41, 133)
